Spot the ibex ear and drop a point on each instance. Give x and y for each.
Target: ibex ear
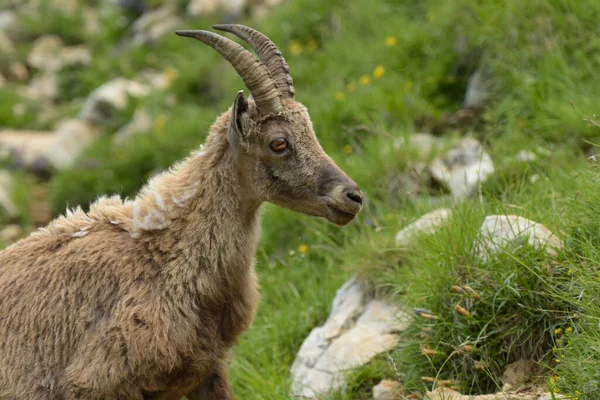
(237, 130)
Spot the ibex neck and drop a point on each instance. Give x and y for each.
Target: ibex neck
(201, 215)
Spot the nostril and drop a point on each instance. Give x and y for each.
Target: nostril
(355, 196)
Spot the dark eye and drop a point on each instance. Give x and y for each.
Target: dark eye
(278, 145)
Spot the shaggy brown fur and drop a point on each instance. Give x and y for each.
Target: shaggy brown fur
(141, 299)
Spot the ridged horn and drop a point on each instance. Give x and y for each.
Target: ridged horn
(255, 75)
(268, 53)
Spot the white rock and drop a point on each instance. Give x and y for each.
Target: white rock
(463, 168)
(159, 80)
(141, 123)
(49, 53)
(423, 143)
(444, 394)
(37, 150)
(198, 8)
(155, 24)
(526, 156)
(7, 48)
(71, 138)
(6, 186)
(8, 21)
(387, 389)
(477, 90)
(113, 95)
(357, 329)
(93, 23)
(518, 373)
(26, 147)
(347, 305)
(427, 224)
(42, 87)
(44, 53)
(498, 231)
(11, 233)
(18, 71)
(75, 55)
(532, 394)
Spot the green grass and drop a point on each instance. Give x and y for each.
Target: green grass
(541, 57)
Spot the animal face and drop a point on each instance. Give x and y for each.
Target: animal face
(276, 152)
(282, 159)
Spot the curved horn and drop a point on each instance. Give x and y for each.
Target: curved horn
(255, 75)
(268, 52)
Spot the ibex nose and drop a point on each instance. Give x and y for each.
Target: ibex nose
(355, 196)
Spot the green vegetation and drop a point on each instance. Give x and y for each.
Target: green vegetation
(370, 72)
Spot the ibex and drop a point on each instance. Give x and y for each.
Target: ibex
(143, 298)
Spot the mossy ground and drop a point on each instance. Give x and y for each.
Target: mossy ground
(369, 72)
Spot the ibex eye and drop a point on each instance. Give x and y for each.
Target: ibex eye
(279, 145)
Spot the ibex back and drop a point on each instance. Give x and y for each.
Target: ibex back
(142, 298)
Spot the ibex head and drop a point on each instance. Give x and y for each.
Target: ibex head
(275, 150)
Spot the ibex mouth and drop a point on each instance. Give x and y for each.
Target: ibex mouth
(339, 217)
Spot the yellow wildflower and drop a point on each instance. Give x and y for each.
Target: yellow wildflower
(295, 47)
(364, 80)
(348, 149)
(558, 331)
(171, 74)
(303, 249)
(350, 87)
(391, 41)
(339, 96)
(378, 72)
(311, 45)
(159, 123)
(557, 360)
(569, 329)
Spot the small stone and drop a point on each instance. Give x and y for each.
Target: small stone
(198, 8)
(518, 374)
(11, 233)
(50, 54)
(422, 143)
(25, 148)
(155, 24)
(141, 123)
(71, 138)
(477, 93)
(498, 231)
(44, 53)
(526, 156)
(463, 168)
(18, 71)
(42, 87)
(8, 21)
(387, 389)
(6, 202)
(7, 48)
(92, 20)
(113, 95)
(444, 394)
(427, 224)
(75, 56)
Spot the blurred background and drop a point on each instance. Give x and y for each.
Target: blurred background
(97, 96)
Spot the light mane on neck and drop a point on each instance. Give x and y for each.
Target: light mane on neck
(163, 199)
